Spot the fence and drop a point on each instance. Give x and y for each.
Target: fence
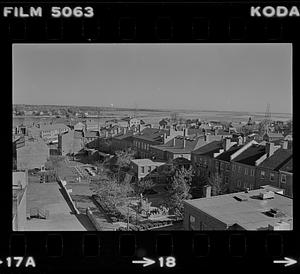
(92, 218)
(67, 194)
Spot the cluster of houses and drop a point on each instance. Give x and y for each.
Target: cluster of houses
(243, 162)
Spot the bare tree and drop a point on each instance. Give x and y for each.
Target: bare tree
(217, 185)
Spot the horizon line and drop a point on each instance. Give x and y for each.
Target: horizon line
(158, 109)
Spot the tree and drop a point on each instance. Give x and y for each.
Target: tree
(179, 189)
(110, 189)
(217, 185)
(200, 179)
(143, 185)
(122, 159)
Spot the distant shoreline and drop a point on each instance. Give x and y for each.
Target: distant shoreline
(104, 109)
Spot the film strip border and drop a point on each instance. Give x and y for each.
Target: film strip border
(151, 23)
(82, 251)
(144, 22)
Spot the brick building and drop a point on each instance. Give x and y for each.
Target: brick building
(32, 155)
(255, 210)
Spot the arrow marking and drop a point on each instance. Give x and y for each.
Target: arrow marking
(287, 261)
(145, 262)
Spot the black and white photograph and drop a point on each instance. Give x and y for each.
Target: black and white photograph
(149, 137)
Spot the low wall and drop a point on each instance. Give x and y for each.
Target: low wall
(93, 220)
(62, 184)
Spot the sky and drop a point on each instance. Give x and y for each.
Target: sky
(229, 77)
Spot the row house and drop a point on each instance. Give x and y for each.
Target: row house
(131, 121)
(122, 141)
(244, 163)
(145, 169)
(148, 137)
(179, 146)
(70, 143)
(50, 132)
(33, 154)
(272, 136)
(203, 158)
(268, 170)
(286, 178)
(91, 139)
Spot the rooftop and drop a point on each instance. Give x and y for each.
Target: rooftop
(152, 134)
(48, 127)
(288, 167)
(209, 149)
(274, 135)
(277, 160)
(250, 155)
(91, 134)
(248, 213)
(225, 156)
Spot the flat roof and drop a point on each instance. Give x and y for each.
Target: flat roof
(146, 162)
(250, 213)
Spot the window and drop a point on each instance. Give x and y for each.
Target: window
(240, 168)
(272, 177)
(245, 185)
(252, 172)
(221, 166)
(283, 178)
(142, 169)
(233, 167)
(226, 180)
(251, 186)
(262, 174)
(246, 171)
(239, 183)
(216, 165)
(228, 167)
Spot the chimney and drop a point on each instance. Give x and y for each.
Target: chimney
(240, 140)
(270, 148)
(226, 144)
(206, 137)
(125, 130)
(139, 128)
(174, 141)
(207, 191)
(184, 136)
(284, 144)
(165, 137)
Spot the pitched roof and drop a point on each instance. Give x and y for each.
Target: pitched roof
(250, 155)
(275, 135)
(209, 149)
(225, 156)
(277, 160)
(91, 134)
(191, 143)
(151, 134)
(53, 127)
(122, 136)
(288, 167)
